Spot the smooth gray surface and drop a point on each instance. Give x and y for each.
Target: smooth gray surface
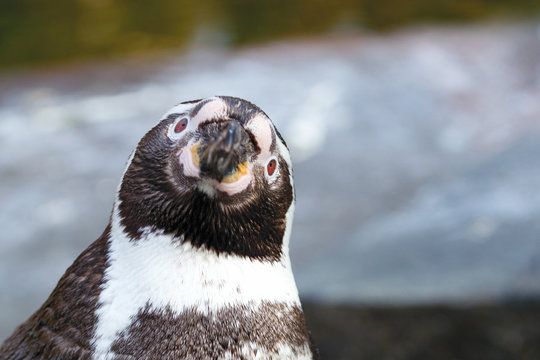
(417, 159)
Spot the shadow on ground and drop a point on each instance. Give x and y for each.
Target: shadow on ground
(508, 331)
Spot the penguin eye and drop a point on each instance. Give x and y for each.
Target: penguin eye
(176, 129)
(271, 167)
(181, 125)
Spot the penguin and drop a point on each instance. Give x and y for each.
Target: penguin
(194, 263)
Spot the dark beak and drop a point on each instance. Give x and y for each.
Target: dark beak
(224, 146)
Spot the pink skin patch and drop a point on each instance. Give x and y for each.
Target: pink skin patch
(210, 110)
(260, 127)
(235, 187)
(186, 159)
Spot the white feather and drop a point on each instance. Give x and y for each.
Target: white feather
(159, 270)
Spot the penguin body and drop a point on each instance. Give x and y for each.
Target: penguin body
(194, 263)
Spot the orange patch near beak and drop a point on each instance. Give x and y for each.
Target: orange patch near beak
(195, 155)
(242, 170)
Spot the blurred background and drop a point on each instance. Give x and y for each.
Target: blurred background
(414, 127)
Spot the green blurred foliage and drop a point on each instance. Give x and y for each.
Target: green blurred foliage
(39, 31)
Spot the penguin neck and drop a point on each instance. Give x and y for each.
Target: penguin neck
(161, 270)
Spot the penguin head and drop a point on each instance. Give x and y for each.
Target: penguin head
(215, 173)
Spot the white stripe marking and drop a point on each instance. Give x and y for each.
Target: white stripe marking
(157, 271)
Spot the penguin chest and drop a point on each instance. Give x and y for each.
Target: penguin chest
(264, 331)
(165, 300)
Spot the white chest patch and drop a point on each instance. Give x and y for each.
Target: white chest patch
(157, 270)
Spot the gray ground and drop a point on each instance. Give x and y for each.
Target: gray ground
(417, 159)
(479, 332)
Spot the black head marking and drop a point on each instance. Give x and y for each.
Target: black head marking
(190, 102)
(172, 117)
(240, 109)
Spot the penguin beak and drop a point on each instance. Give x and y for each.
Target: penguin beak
(222, 151)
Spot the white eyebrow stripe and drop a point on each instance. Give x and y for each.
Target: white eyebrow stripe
(215, 108)
(261, 128)
(284, 152)
(179, 109)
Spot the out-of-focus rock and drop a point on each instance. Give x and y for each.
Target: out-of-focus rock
(346, 332)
